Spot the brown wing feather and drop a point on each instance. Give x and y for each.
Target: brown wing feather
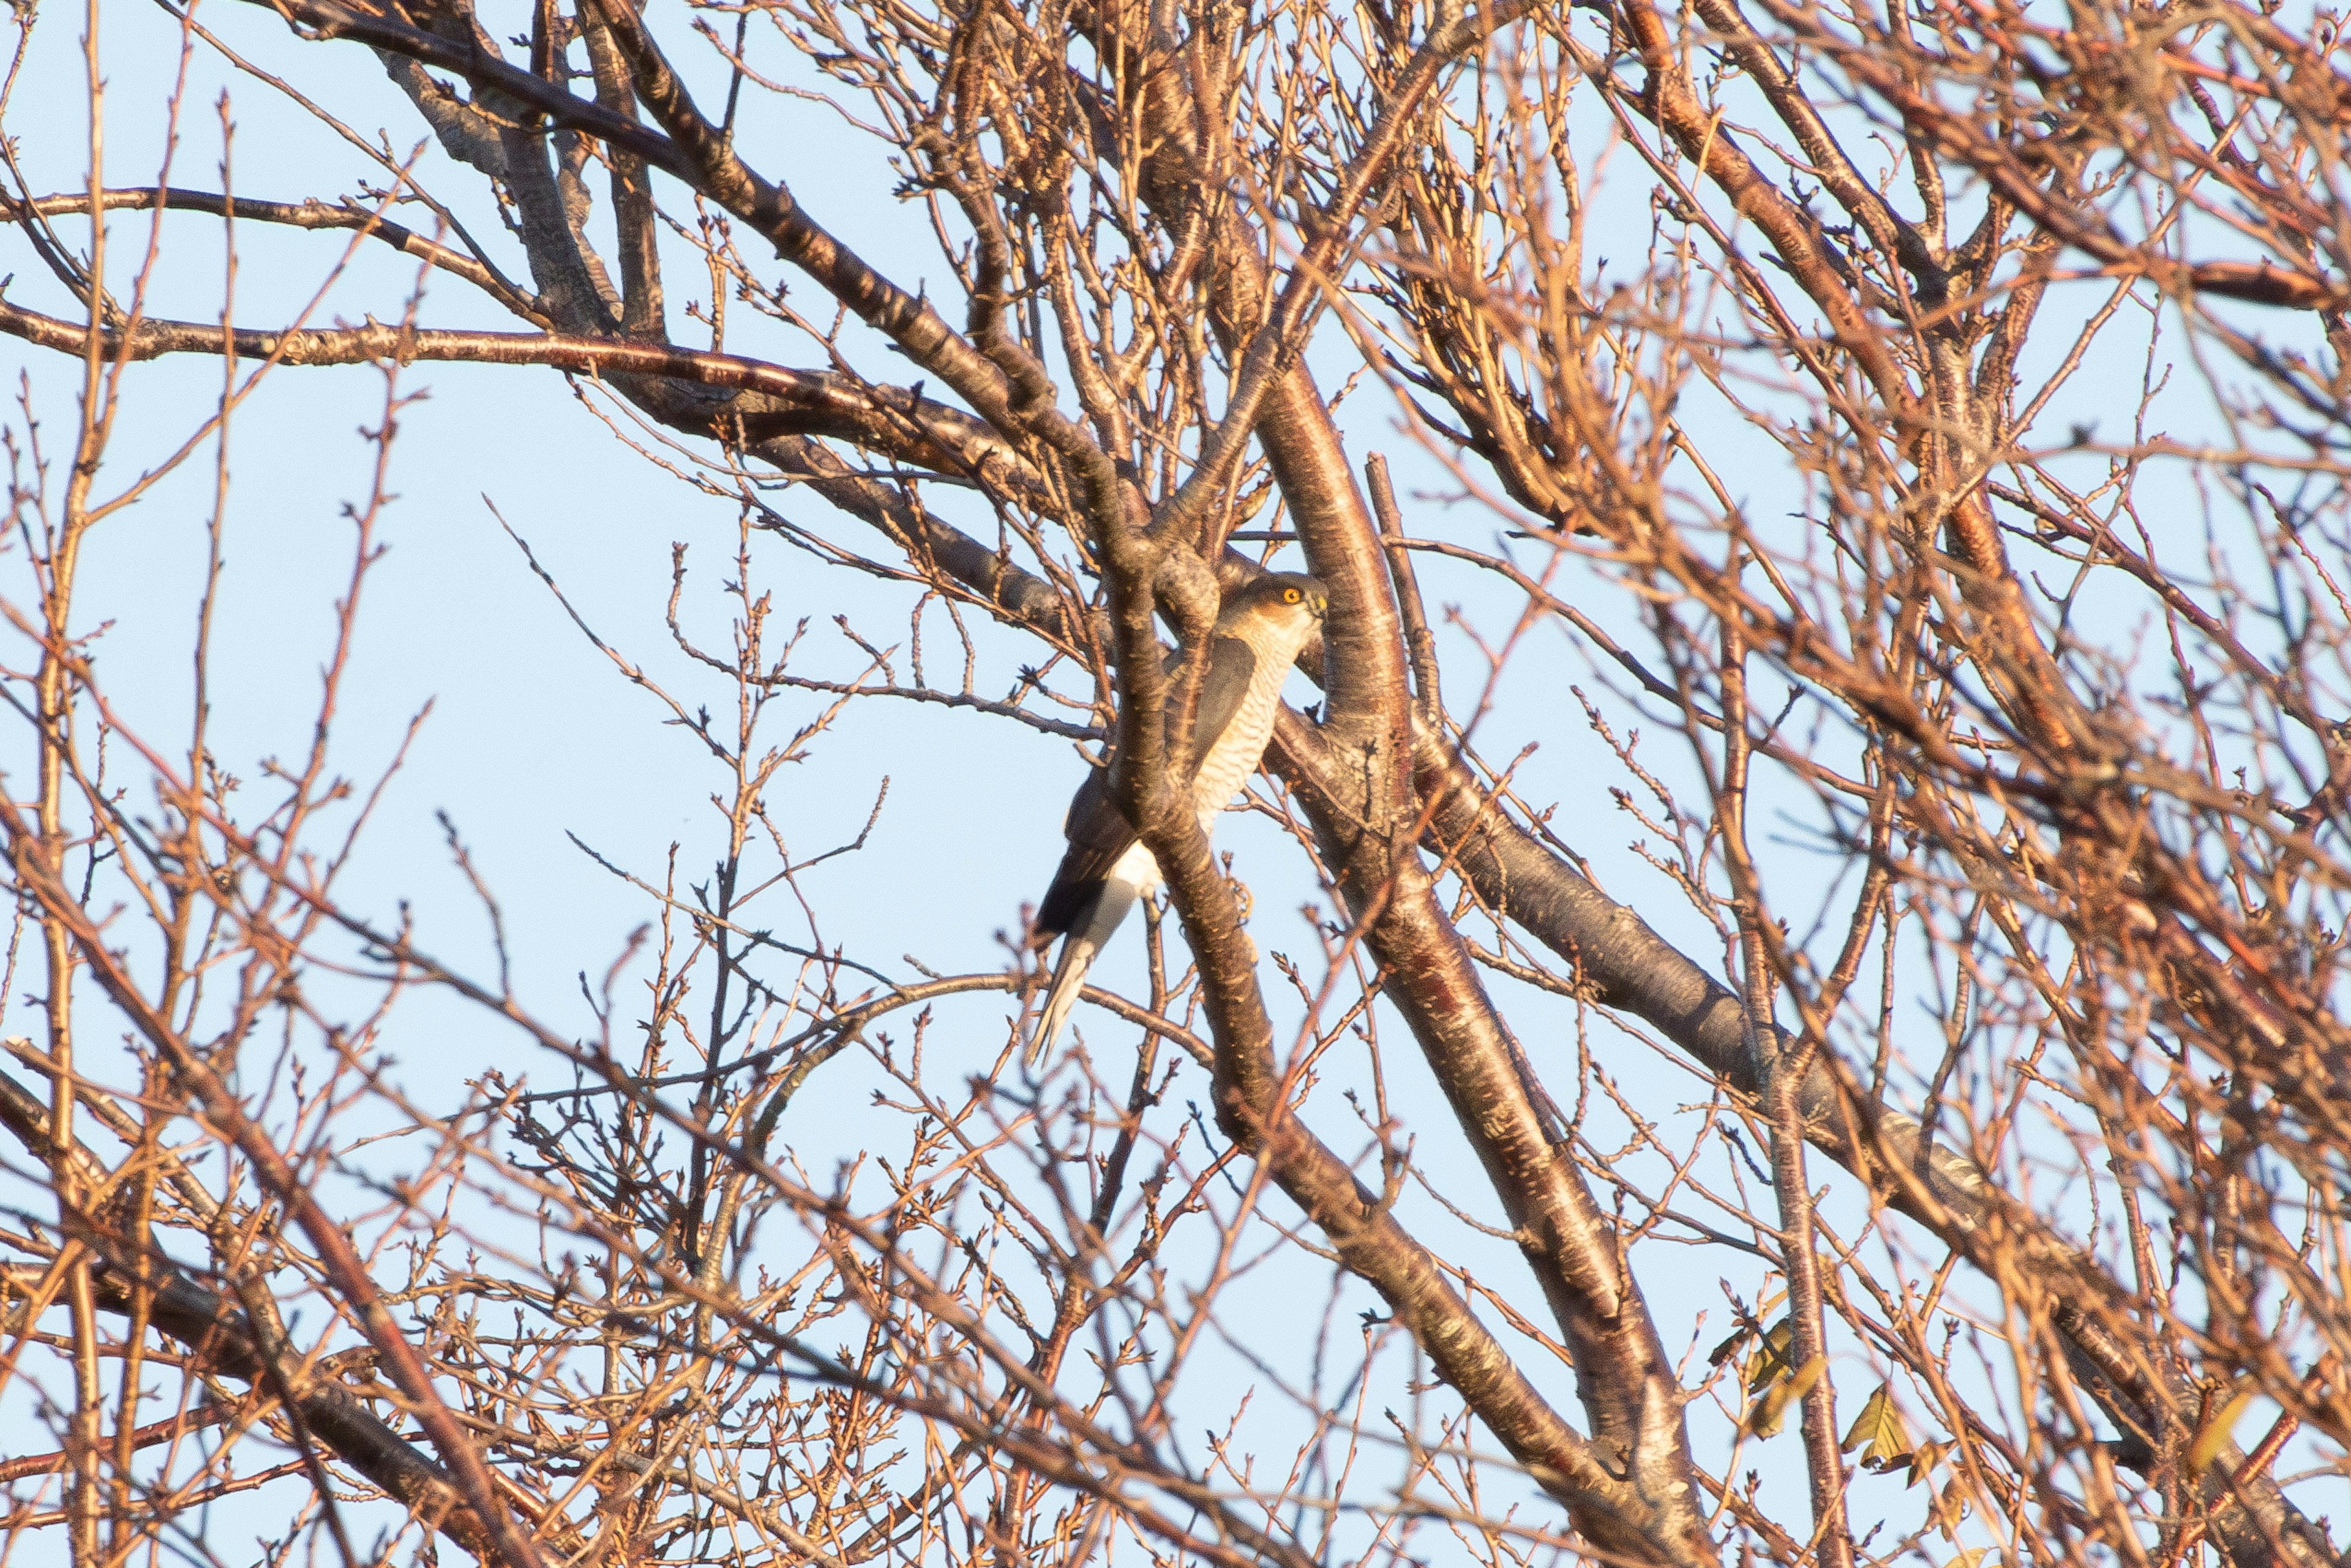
(1098, 835)
(1232, 663)
(1097, 831)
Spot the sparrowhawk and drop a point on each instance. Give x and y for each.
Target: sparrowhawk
(1258, 636)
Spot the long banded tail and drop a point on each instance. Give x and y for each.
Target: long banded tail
(1068, 978)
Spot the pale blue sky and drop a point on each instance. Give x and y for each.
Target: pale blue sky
(533, 736)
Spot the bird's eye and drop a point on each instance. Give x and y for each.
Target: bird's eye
(1289, 596)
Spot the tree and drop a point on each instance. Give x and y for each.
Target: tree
(2004, 769)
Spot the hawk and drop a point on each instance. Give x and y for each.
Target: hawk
(1258, 636)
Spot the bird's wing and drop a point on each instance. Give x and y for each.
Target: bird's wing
(1098, 835)
(1098, 832)
(1232, 665)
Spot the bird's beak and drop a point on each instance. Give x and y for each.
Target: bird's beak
(1320, 603)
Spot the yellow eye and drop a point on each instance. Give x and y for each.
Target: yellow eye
(1289, 596)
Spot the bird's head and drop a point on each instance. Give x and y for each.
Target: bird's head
(1281, 595)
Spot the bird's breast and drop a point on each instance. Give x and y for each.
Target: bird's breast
(1233, 755)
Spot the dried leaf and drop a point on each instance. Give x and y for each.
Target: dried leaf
(1769, 1361)
(1770, 1411)
(1923, 1461)
(1879, 1432)
(1950, 1507)
(2213, 1435)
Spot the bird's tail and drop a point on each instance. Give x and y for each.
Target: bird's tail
(1068, 978)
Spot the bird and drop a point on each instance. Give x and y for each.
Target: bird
(1260, 631)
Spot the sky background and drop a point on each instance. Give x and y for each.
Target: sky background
(534, 738)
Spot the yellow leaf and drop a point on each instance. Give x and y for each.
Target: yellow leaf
(2213, 1435)
(1950, 1508)
(1765, 1417)
(1922, 1462)
(1771, 1358)
(1971, 1556)
(1878, 1431)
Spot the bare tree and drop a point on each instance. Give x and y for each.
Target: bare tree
(2002, 763)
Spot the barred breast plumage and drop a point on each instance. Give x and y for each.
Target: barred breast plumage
(1235, 755)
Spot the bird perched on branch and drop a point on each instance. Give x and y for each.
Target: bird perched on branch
(1259, 634)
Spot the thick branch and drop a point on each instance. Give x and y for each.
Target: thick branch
(1794, 232)
(338, 1255)
(1624, 1380)
(901, 424)
(465, 59)
(308, 213)
(2009, 171)
(218, 1336)
(1252, 1107)
(1365, 814)
(1627, 966)
(712, 166)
